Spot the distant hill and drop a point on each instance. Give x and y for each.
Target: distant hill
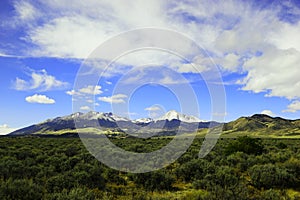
(263, 126)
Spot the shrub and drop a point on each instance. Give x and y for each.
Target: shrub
(157, 180)
(270, 176)
(245, 144)
(20, 189)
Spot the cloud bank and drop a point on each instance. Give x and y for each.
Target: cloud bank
(260, 40)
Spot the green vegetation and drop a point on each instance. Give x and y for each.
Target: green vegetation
(246, 145)
(260, 125)
(61, 168)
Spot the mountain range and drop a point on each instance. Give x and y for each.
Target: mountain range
(259, 125)
(109, 123)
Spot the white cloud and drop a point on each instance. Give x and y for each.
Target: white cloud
(5, 129)
(117, 98)
(20, 84)
(153, 74)
(3, 54)
(85, 108)
(108, 82)
(90, 89)
(40, 80)
(276, 72)
(268, 112)
(25, 11)
(169, 80)
(71, 92)
(89, 27)
(94, 22)
(286, 37)
(293, 107)
(41, 99)
(229, 62)
(199, 64)
(153, 108)
(231, 31)
(87, 33)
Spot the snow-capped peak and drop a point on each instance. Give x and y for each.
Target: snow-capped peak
(172, 114)
(143, 120)
(93, 115)
(106, 116)
(116, 117)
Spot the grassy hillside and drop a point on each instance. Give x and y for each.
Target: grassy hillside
(262, 126)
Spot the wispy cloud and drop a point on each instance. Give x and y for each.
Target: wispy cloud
(268, 112)
(2, 54)
(40, 99)
(25, 11)
(153, 108)
(89, 90)
(153, 74)
(5, 129)
(293, 107)
(71, 92)
(85, 108)
(39, 80)
(117, 99)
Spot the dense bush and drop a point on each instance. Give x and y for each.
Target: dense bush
(194, 169)
(245, 144)
(20, 189)
(270, 176)
(157, 180)
(61, 168)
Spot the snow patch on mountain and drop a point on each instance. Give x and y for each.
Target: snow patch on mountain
(92, 115)
(143, 120)
(172, 114)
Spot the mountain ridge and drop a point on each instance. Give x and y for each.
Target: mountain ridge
(169, 124)
(263, 125)
(172, 121)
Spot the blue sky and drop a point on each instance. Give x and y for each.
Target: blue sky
(255, 46)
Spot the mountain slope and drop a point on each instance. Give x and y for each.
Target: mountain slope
(67, 123)
(108, 122)
(263, 125)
